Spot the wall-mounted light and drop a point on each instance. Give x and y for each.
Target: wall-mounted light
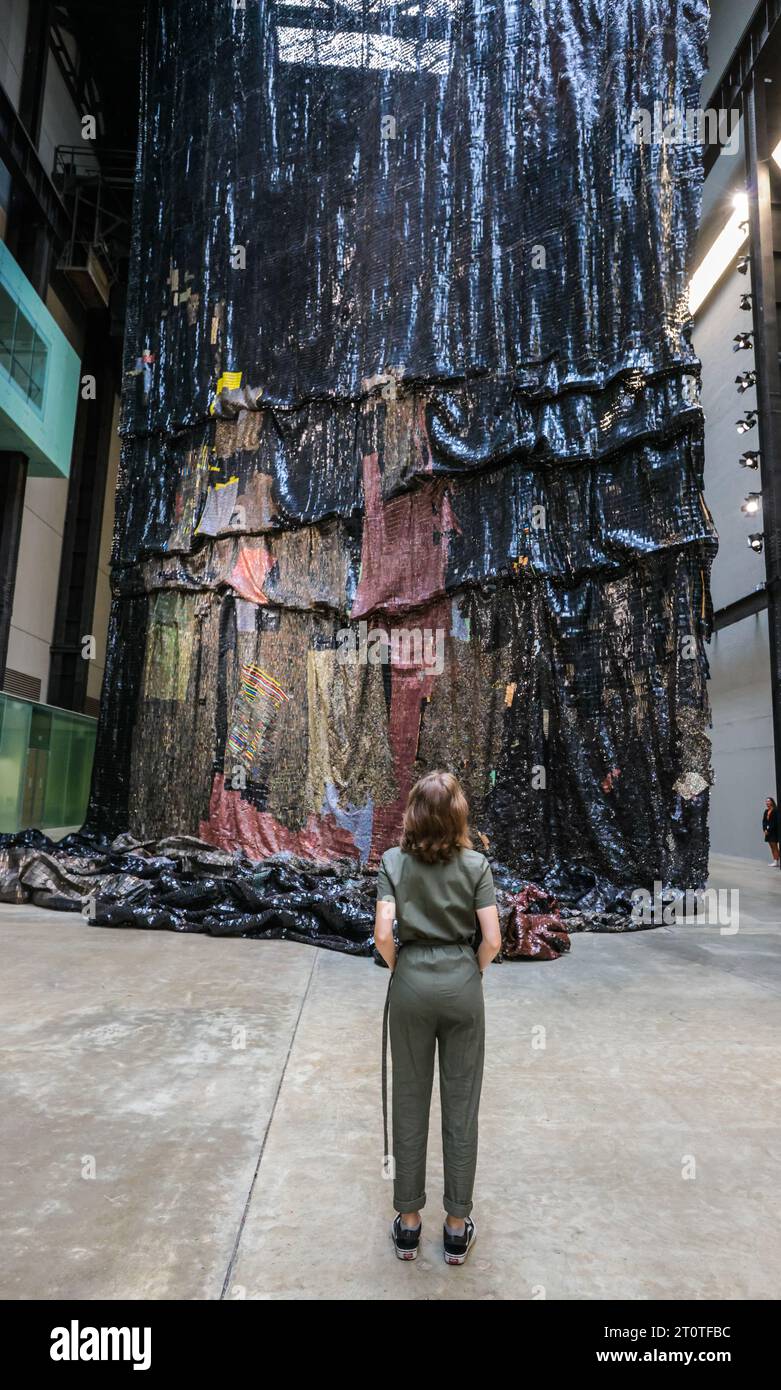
(742, 342)
(743, 265)
(750, 459)
(747, 423)
(757, 541)
(745, 381)
(722, 253)
(751, 504)
(745, 302)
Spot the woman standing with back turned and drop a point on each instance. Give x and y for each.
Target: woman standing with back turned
(433, 884)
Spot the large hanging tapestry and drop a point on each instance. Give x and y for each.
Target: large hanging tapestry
(412, 444)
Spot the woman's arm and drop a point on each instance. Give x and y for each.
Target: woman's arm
(491, 944)
(384, 917)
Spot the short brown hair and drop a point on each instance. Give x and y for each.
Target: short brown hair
(436, 821)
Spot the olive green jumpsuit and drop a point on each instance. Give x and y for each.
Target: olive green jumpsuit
(436, 1000)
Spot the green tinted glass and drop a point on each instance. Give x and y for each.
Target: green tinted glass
(14, 742)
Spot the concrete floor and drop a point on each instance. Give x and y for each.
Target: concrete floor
(226, 1096)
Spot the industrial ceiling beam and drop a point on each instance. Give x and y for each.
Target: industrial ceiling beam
(763, 28)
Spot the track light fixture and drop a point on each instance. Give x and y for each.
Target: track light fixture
(750, 459)
(743, 265)
(756, 542)
(742, 342)
(745, 381)
(751, 503)
(747, 423)
(745, 302)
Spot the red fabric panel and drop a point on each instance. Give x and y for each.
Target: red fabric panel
(404, 546)
(236, 824)
(408, 692)
(249, 574)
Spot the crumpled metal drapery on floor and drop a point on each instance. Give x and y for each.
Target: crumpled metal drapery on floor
(408, 346)
(184, 884)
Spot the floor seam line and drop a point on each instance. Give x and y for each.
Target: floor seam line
(283, 1073)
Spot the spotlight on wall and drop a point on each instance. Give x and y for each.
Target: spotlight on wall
(757, 541)
(747, 423)
(730, 241)
(742, 342)
(745, 302)
(745, 381)
(750, 459)
(751, 504)
(743, 265)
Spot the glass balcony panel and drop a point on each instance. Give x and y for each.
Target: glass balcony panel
(7, 324)
(14, 744)
(37, 370)
(46, 759)
(21, 365)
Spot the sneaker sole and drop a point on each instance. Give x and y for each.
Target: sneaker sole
(461, 1259)
(402, 1254)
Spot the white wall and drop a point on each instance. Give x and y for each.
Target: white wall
(13, 32)
(37, 577)
(60, 121)
(742, 737)
(738, 570)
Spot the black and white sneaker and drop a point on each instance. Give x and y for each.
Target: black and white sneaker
(457, 1247)
(405, 1240)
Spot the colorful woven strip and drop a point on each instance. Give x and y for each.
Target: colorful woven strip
(258, 698)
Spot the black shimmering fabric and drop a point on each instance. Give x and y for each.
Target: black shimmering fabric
(408, 345)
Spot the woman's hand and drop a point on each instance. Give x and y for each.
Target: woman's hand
(384, 917)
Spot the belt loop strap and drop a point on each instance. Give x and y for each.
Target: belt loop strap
(386, 1156)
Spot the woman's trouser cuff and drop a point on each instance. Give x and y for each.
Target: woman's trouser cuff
(460, 1209)
(414, 1204)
